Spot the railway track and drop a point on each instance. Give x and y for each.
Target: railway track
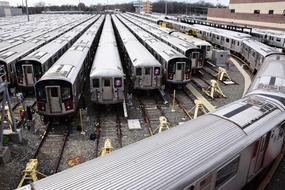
(51, 148)
(108, 126)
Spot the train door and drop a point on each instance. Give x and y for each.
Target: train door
(259, 150)
(147, 80)
(179, 71)
(28, 74)
(107, 89)
(54, 98)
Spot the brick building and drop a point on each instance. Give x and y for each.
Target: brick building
(6, 10)
(143, 6)
(263, 13)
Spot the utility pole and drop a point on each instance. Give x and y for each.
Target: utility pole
(27, 10)
(165, 8)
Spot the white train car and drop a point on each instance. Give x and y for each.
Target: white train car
(59, 90)
(107, 76)
(31, 68)
(188, 49)
(144, 70)
(177, 67)
(9, 57)
(222, 150)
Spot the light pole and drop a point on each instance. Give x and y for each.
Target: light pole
(27, 10)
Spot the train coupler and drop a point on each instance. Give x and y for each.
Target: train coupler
(30, 172)
(213, 89)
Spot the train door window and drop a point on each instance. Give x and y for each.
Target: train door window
(138, 71)
(107, 82)
(54, 92)
(179, 67)
(218, 37)
(228, 171)
(147, 71)
(238, 43)
(270, 12)
(95, 83)
(65, 93)
(227, 40)
(233, 42)
(195, 55)
(29, 70)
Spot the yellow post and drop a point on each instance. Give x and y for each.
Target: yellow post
(81, 122)
(173, 102)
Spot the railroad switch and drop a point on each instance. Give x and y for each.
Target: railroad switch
(107, 147)
(212, 89)
(30, 172)
(223, 75)
(163, 124)
(198, 108)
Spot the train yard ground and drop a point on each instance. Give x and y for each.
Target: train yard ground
(57, 153)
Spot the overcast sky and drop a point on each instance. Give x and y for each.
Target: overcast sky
(89, 2)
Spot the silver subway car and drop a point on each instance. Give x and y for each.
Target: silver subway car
(107, 75)
(177, 67)
(144, 70)
(59, 90)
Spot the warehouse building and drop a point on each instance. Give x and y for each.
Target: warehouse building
(6, 10)
(143, 6)
(264, 13)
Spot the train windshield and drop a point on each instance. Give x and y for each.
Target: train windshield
(41, 94)
(156, 71)
(118, 82)
(171, 67)
(2, 70)
(195, 55)
(65, 93)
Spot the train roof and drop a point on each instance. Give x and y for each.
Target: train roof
(259, 47)
(47, 51)
(107, 60)
(269, 32)
(169, 160)
(164, 50)
(139, 55)
(67, 67)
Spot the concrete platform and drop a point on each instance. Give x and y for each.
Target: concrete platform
(134, 124)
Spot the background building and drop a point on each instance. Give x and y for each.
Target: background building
(6, 10)
(264, 13)
(143, 6)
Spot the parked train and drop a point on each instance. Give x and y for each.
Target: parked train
(188, 49)
(9, 57)
(59, 90)
(176, 66)
(144, 70)
(202, 44)
(31, 68)
(107, 77)
(222, 150)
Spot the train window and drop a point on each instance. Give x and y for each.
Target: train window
(208, 48)
(222, 38)
(284, 12)
(54, 92)
(233, 10)
(278, 39)
(2, 70)
(227, 172)
(179, 66)
(65, 94)
(118, 82)
(270, 12)
(147, 71)
(107, 82)
(218, 37)
(41, 94)
(138, 71)
(95, 83)
(156, 71)
(29, 70)
(238, 43)
(195, 55)
(227, 40)
(256, 11)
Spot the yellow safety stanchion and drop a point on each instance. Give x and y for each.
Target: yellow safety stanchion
(30, 172)
(213, 88)
(163, 124)
(81, 122)
(199, 107)
(107, 147)
(222, 75)
(173, 101)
